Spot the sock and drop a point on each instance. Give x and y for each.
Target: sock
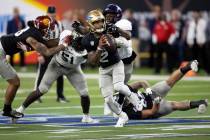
(195, 104)
(85, 103)
(7, 108)
(33, 96)
(185, 69)
(21, 109)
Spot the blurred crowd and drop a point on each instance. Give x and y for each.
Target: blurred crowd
(160, 39)
(164, 39)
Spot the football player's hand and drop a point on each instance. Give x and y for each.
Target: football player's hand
(148, 91)
(23, 47)
(103, 42)
(157, 100)
(112, 29)
(67, 40)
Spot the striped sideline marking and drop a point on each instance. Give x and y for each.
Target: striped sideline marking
(134, 77)
(75, 120)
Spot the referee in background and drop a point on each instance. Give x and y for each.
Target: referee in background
(53, 33)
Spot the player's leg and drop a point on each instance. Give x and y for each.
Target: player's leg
(9, 74)
(59, 90)
(51, 74)
(187, 105)
(118, 82)
(42, 67)
(167, 107)
(163, 87)
(78, 81)
(128, 68)
(178, 74)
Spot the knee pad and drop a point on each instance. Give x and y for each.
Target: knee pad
(43, 89)
(118, 86)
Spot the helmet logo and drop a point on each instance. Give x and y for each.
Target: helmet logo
(46, 22)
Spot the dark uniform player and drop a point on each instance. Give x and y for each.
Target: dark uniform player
(30, 38)
(103, 51)
(153, 106)
(53, 34)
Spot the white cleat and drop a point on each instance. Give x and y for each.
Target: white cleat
(194, 65)
(123, 119)
(107, 110)
(88, 119)
(203, 107)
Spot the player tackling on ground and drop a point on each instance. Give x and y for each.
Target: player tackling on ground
(155, 105)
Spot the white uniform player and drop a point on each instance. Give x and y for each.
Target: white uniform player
(125, 52)
(67, 62)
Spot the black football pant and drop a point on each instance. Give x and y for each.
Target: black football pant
(160, 48)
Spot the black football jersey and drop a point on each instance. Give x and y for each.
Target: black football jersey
(108, 58)
(9, 42)
(130, 110)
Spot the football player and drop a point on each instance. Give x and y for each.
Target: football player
(154, 107)
(102, 50)
(27, 39)
(66, 62)
(52, 35)
(121, 28)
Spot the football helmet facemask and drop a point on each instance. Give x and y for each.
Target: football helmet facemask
(95, 17)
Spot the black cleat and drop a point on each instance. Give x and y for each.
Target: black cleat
(62, 100)
(13, 114)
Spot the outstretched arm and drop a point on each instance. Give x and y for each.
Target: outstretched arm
(125, 34)
(150, 112)
(140, 84)
(42, 49)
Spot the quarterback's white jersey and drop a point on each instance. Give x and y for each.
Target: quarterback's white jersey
(124, 51)
(69, 57)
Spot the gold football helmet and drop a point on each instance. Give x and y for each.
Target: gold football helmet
(96, 16)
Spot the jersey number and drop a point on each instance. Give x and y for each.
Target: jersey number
(18, 33)
(66, 57)
(104, 56)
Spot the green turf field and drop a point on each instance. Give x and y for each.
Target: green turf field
(63, 131)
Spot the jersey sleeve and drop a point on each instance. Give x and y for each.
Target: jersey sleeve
(122, 42)
(124, 24)
(64, 34)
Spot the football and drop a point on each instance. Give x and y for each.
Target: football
(111, 47)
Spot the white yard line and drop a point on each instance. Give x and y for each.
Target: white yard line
(134, 77)
(179, 94)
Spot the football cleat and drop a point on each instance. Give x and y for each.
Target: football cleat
(194, 65)
(123, 119)
(62, 100)
(88, 119)
(203, 107)
(13, 114)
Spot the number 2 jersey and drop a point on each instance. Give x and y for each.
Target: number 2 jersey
(69, 58)
(108, 58)
(9, 42)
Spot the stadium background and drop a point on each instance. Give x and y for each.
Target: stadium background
(52, 120)
(33, 8)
